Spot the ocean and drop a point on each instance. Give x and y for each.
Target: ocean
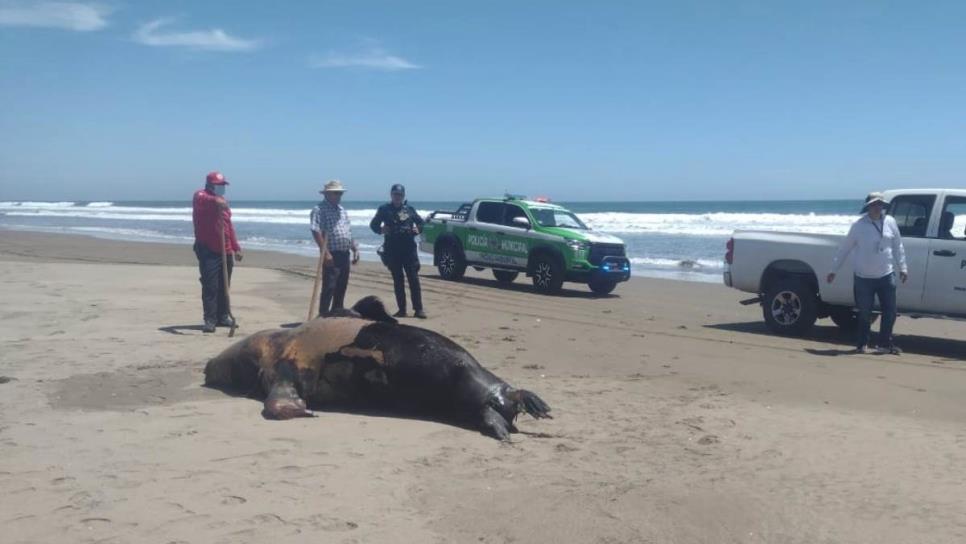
(677, 240)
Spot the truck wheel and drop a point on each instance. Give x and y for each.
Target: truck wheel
(547, 274)
(790, 307)
(505, 276)
(847, 319)
(602, 287)
(450, 262)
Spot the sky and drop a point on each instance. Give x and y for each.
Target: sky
(609, 100)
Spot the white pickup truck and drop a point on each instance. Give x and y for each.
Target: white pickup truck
(786, 270)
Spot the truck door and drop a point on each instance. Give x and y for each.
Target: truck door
(514, 237)
(482, 245)
(946, 276)
(912, 213)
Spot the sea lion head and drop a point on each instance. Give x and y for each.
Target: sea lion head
(370, 307)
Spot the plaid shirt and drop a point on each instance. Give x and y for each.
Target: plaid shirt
(333, 222)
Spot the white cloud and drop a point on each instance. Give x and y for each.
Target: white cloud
(215, 39)
(371, 56)
(76, 16)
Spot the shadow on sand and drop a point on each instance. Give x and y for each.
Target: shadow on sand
(520, 286)
(368, 411)
(180, 329)
(931, 346)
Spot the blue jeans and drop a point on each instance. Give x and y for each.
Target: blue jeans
(866, 290)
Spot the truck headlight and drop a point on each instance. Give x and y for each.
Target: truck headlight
(578, 246)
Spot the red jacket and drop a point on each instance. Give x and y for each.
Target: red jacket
(208, 218)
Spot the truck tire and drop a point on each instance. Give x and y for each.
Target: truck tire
(505, 276)
(602, 287)
(548, 273)
(790, 307)
(450, 262)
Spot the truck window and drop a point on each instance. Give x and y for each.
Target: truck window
(911, 213)
(952, 222)
(512, 210)
(490, 212)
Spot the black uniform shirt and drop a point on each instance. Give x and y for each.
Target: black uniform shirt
(400, 222)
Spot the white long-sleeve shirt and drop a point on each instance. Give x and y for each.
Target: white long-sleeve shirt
(876, 248)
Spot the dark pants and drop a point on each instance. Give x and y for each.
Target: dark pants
(335, 281)
(405, 261)
(213, 299)
(865, 292)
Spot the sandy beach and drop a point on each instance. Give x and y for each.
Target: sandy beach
(678, 418)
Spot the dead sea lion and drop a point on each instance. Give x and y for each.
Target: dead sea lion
(363, 357)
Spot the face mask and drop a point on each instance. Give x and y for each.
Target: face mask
(219, 190)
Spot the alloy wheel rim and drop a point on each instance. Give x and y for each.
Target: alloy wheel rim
(786, 308)
(447, 262)
(543, 274)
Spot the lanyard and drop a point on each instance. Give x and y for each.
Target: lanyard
(879, 230)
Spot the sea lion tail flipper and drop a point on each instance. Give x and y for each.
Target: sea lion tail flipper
(372, 308)
(530, 403)
(495, 425)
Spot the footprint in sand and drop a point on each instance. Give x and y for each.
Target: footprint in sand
(233, 499)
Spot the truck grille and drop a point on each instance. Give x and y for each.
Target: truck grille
(599, 251)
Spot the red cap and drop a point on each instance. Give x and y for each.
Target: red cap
(216, 178)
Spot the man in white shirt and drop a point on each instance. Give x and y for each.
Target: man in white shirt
(876, 247)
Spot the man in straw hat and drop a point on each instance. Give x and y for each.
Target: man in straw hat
(333, 234)
(876, 247)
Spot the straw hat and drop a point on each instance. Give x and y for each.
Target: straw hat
(333, 186)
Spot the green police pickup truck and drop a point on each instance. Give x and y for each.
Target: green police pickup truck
(511, 235)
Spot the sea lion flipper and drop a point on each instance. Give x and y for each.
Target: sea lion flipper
(495, 425)
(283, 400)
(530, 403)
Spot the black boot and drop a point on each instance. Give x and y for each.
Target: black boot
(209, 326)
(226, 321)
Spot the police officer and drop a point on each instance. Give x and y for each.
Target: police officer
(399, 223)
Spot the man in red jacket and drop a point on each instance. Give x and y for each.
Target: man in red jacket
(211, 214)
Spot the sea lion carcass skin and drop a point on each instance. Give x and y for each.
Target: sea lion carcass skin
(363, 357)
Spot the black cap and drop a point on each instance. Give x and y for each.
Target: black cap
(397, 188)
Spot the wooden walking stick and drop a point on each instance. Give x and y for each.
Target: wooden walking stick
(227, 282)
(315, 289)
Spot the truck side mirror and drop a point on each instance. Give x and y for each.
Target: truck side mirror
(521, 222)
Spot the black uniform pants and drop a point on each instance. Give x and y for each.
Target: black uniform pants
(405, 262)
(335, 281)
(213, 299)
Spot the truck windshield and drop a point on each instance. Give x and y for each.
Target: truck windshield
(551, 217)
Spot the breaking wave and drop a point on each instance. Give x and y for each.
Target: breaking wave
(682, 224)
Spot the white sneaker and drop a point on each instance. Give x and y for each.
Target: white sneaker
(861, 350)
